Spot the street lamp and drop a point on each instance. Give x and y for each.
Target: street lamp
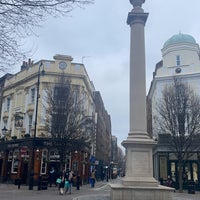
(106, 173)
(4, 130)
(31, 172)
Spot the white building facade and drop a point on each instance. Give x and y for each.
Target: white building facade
(180, 58)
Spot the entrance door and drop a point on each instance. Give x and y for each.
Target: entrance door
(24, 173)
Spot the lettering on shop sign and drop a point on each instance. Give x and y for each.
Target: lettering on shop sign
(13, 145)
(46, 143)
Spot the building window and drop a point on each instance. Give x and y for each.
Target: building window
(10, 156)
(30, 120)
(8, 104)
(15, 161)
(75, 166)
(43, 168)
(54, 156)
(163, 167)
(173, 171)
(32, 95)
(178, 60)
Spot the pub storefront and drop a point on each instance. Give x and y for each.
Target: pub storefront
(16, 160)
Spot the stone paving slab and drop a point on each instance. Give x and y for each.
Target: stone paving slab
(11, 192)
(100, 192)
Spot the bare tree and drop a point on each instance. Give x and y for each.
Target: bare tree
(65, 119)
(121, 161)
(179, 116)
(18, 19)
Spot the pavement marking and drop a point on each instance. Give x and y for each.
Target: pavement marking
(102, 187)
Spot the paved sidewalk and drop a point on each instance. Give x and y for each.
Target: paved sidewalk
(11, 192)
(100, 192)
(177, 196)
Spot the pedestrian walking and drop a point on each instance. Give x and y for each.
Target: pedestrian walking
(78, 182)
(62, 185)
(66, 186)
(92, 179)
(70, 179)
(169, 181)
(52, 177)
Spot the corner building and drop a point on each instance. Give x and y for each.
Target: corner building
(180, 58)
(23, 98)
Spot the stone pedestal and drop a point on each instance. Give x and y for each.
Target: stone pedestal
(139, 166)
(121, 192)
(138, 183)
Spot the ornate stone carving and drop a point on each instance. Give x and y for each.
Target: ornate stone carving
(137, 3)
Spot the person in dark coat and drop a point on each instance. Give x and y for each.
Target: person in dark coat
(78, 182)
(52, 177)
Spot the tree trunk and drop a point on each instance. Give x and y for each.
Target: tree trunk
(180, 177)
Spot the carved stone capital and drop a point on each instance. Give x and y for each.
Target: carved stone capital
(137, 3)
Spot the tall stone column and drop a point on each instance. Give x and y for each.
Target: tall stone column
(138, 183)
(137, 19)
(138, 144)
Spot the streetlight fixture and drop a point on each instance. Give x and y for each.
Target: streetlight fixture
(31, 172)
(4, 130)
(106, 173)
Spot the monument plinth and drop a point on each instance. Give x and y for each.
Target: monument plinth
(138, 183)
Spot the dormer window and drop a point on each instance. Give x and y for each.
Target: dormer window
(178, 60)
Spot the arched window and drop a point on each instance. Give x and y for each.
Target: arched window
(54, 156)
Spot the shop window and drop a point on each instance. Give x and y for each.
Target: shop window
(75, 166)
(54, 156)
(173, 171)
(195, 171)
(10, 156)
(15, 161)
(163, 167)
(43, 168)
(25, 153)
(188, 171)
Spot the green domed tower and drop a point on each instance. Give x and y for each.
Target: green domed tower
(179, 38)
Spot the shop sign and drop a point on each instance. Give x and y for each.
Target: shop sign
(18, 120)
(96, 162)
(13, 145)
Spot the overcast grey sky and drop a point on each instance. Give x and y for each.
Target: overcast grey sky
(99, 37)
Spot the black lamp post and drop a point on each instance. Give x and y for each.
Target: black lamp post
(31, 172)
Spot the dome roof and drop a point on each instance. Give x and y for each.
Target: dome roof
(179, 38)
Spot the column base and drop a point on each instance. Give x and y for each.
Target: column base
(121, 192)
(140, 181)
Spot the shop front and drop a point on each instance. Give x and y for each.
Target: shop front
(20, 161)
(166, 166)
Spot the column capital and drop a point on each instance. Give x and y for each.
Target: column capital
(137, 3)
(137, 18)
